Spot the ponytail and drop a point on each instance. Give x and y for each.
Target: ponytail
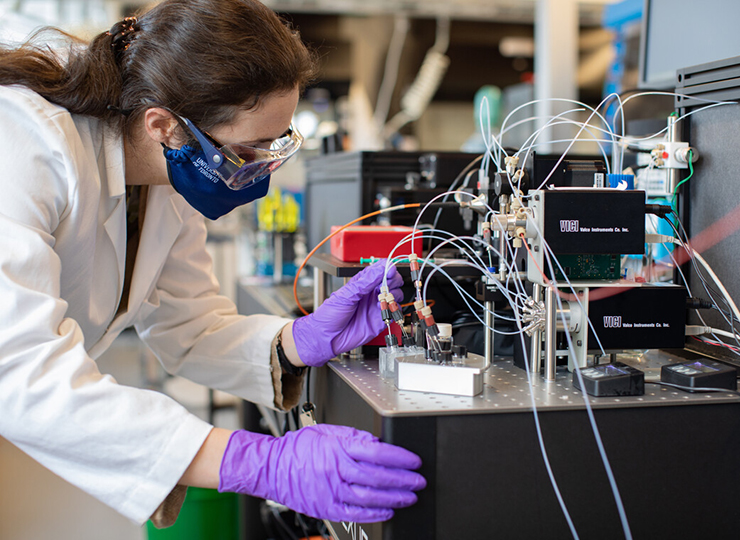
(86, 82)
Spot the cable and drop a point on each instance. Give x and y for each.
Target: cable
(575, 102)
(456, 241)
(592, 418)
(717, 281)
(484, 112)
(717, 343)
(595, 428)
(541, 439)
(438, 268)
(694, 257)
(723, 333)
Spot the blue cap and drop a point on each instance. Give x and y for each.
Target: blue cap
(621, 181)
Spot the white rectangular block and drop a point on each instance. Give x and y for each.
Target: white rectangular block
(424, 376)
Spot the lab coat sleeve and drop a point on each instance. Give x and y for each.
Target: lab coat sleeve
(127, 447)
(198, 334)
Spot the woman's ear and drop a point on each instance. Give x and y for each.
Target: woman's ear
(162, 127)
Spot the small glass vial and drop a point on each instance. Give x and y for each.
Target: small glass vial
(387, 357)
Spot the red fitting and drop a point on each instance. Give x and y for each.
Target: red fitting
(419, 306)
(426, 314)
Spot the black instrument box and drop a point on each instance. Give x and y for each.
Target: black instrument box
(641, 317)
(594, 221)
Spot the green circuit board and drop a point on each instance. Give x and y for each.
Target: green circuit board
(578, 267)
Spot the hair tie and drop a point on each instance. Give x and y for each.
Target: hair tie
(124, 112)
(122, 33)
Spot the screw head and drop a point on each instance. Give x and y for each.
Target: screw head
(216, 158)
(536, 197)
(579, 343)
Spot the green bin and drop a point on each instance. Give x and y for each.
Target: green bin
(206, 514)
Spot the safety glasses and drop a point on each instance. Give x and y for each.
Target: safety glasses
(241, 166)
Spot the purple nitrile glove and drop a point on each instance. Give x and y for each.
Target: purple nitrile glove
(324, 471)
(349, 318)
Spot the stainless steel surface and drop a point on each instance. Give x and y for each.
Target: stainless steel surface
(356, 353)
(551, 321)
(488, 336)
(506, 389)
(569, 318)
(535, 360)
(319, 287)
(503, 247)
(672, 135)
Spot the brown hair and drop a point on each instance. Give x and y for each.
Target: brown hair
(203, 59)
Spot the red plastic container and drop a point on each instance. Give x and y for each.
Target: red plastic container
(365, 241)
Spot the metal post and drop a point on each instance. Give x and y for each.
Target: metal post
(319, 287)
(551, 323)
(502, 258)
(489, 320)
(356, 353)
(672, 135)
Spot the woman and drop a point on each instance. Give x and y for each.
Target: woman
(95, 239)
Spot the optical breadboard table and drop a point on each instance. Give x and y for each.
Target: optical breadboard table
(673, 453)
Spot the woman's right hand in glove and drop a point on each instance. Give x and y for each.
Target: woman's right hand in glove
(324, 471)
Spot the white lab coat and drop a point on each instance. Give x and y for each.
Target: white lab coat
(62, 246)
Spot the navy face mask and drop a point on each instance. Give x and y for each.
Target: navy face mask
(202, 188)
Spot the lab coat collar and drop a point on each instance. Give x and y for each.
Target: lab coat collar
(115, 159)
(114, 187)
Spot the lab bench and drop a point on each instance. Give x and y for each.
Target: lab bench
(673, 455)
